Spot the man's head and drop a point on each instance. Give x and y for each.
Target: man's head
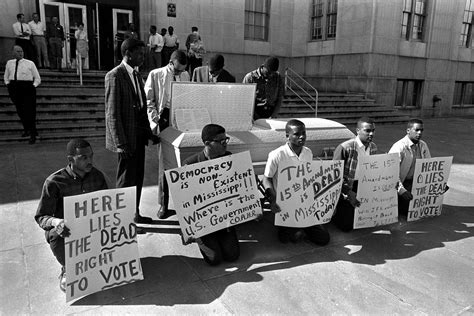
(178, 61)
(194, 29)
(215, 140)
(415, 130)
(79, 154)
(365, 130)
(216, 64)
(17, 52)
(163, 32)
(270, 66)
(80, 26)
(35, 17)
(54, 20)
(20, 17)
(131, 27)
(170, 30)
(296, 133)
(153, 29)
(133, 52)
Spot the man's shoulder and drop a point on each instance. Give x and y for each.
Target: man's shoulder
(195, 158)
(55, 176)
(278, 151)
(114, 71)
(348, 143)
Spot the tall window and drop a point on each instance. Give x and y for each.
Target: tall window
(463, 93)
(408, 93)
(465, 39)
(257, 17)
(414, 17)
(323, 19)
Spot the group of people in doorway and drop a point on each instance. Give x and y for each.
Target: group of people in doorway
(136, 112)
(43, 43)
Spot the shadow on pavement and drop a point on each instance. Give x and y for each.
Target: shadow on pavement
(178, 279)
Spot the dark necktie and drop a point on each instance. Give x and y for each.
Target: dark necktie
(21, 26)
(16, 70)
(138, 90)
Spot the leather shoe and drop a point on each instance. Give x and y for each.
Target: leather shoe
(62, 280)
(142, 219)
(164, 213)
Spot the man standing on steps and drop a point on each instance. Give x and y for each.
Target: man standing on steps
(21, 78)
(55, 34)
(126, 121)
(270, 88)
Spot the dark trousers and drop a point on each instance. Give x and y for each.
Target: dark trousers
(155, 60)
(23, 95)
(56, 243)
(344, 215)
(261, 112)
(166, 54)
(222, 245)
(403, 204)
(131, 171)
(193, 63)
(28, 49)
(316, 234)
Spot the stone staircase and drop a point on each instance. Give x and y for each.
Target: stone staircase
(345, 108)
(65, 109)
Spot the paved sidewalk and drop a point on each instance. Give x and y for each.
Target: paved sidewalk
(425, 267)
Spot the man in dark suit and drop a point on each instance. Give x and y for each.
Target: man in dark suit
(127, 128)
(215, 72)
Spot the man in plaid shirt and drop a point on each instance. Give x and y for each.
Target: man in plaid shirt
(349, 151)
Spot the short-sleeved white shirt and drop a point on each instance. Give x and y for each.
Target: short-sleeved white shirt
(283, 153)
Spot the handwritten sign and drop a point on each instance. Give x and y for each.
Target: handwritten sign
(214, 194)
(429, 184)
(308, 192)
(377, 193)
(102, 251)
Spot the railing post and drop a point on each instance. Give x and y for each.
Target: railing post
(79, 63)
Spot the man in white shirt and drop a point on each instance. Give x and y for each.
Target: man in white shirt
(295, 150)
(155, 42)
(37, 33)
(171, 43)
(158, 96)
(409, 148)
(22, 37)
(21, 78)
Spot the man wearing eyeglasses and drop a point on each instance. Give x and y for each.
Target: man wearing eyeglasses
(158, 99)
(350, 151)
(222, 245)
(215, 72)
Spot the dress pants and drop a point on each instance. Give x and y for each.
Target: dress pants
(56, 243)
(131, 171)
(403, 204)
(41, 51)
(222, 245)
(23, 95)
(344, 215)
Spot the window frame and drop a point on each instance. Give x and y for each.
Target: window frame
(323, 20)
(465, 37)
(415, 95)
(257, 16)
(414, 20)
(460, 97)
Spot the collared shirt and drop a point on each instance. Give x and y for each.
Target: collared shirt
(26, 71)
(348, 151)
(158, 92)
(17, 30)
(130, 72)
(171, 41)
(282, 153)
(55, 31)
(406, 151)
(361, 149)
(60, 184)
(156, 40)
(36, 28)
(269, 91)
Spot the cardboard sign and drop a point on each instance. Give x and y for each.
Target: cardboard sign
(102, 250)
(308, 192)
(429, 184)
(377, 193)
(214, 194)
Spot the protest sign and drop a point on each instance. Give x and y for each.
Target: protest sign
(429, 184)
(308, 192)
(376, 192)
(102, 251)
(214, 194)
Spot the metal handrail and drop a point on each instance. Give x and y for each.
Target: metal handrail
(290, 80)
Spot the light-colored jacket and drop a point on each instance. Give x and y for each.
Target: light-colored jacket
(158, 92)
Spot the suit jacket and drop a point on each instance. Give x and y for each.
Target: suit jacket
(125, 120)
(201, 74)
(158, 93)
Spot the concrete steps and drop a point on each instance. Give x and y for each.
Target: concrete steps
(65, 109)
(340, 107)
